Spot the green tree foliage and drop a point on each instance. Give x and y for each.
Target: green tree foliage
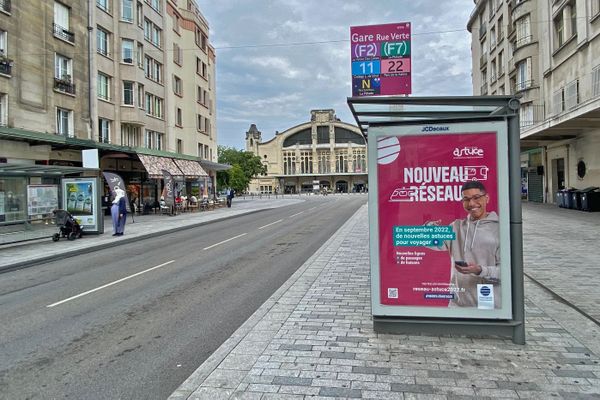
(249, 166)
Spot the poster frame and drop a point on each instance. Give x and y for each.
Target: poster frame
(445, 128)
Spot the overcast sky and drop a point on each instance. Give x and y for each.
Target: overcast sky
(273, 67)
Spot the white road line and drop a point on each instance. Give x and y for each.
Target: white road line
(224, 241)
(296, 214)
(312, 208)
(272, 223)
(109, 284)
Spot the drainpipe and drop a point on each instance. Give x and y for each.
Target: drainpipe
(91, 62)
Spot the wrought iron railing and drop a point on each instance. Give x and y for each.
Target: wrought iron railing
(63, 33)
(64, 86)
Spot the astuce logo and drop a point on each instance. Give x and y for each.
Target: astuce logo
(468, 152)
(435, 129)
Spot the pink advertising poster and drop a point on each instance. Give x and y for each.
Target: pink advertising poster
(438, 221)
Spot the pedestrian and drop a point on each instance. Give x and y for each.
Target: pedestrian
(230, 195)
(118, 212)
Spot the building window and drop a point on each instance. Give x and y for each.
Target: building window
(153, 140)
(199, 122)
(127, 10)
(324, 162)
(500, 63)
(155, 4)
(177, 54)
(3, 109)
(152, 69)
(565, 24)
(306, 165)
(61, 23)
(152, 33)
(526, 115)
(500, 29)
(103, 130)
(130, 135)
(62, 67)
(323, 134)
(341, 162)
(359, 161)
(127, 51)
(64, 122)
(523, 75)
(103, 83)
(140, 55)
(178, 117)
(140, 14)
(572, 94)
(523, 28)
(289, 163)
(128, 93)
(140, 96)
(201, 68)
(103, 5)
(595, 8)
(154, 105)
(596, 81)
(177, 86)
(102, 41)
(179, 146)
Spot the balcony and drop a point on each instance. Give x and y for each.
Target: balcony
(63, 34)
(64, 85)
(6, 66)
(523, 85)
(520, 42)
(531, 114)
(5, 5)
(483, 90)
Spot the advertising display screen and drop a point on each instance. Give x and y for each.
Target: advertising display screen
(441, 245)
(79, 199)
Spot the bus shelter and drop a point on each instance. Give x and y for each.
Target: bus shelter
(444, 214)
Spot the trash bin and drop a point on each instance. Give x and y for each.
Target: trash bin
(560, 198)
(569, 198)
(590, 199)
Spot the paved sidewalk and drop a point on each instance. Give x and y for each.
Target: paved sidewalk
(314, 337)
(27, 253)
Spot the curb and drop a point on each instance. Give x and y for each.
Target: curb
(102, 246)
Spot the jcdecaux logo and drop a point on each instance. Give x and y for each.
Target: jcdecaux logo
(435, 129)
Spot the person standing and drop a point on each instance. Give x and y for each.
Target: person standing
(230, 194)
(118, 212)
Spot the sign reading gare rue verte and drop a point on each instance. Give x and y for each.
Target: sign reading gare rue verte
(381, 59)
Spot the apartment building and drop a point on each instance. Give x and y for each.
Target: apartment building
(546, 52)
(107, 75)
(323, 153)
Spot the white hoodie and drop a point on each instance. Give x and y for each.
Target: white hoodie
(477, 242)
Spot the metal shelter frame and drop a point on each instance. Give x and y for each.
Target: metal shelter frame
(402, 111)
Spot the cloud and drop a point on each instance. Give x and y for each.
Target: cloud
(294, 55)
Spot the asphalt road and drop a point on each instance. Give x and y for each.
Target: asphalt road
(134, 321)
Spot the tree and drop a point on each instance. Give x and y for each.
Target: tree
(249, 165)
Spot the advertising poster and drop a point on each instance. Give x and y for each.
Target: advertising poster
(41, 199)
(381, 59)
(79, 199)
(441, 216)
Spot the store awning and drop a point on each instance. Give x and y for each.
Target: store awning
(213, 166)
(190, 169)
(154, 166)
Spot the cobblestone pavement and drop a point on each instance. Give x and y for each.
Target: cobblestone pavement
(314, 339)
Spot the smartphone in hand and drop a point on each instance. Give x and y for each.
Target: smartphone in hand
(461, 263)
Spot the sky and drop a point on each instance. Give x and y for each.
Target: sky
(279, 59)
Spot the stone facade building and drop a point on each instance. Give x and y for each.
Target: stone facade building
(134, 79)
(321, 154)
(548, 53)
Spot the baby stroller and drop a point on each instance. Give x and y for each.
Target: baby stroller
(67, 225)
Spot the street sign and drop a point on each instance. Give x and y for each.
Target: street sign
(381, 62)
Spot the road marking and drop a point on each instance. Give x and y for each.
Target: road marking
(109, 284)
(224, 241)
(312, 208)
(272, 223)
(296, 214)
